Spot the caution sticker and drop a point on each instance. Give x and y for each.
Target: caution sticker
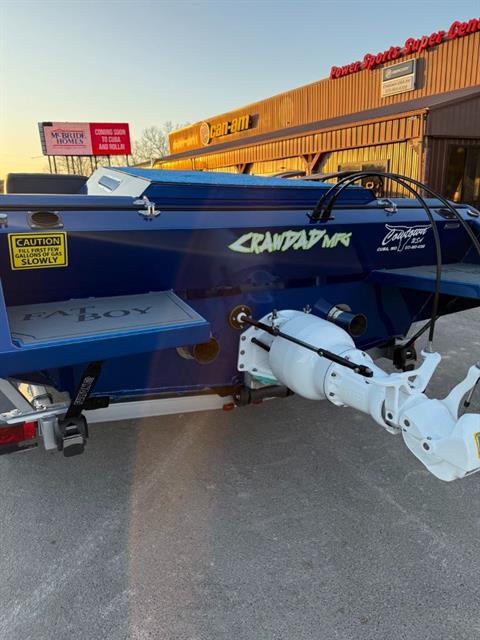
(38, 250)
(477, 442)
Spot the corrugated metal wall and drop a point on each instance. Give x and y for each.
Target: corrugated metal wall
(271, 167)
(448, 66)
(366, 134)
(401, 158)
(462, 119)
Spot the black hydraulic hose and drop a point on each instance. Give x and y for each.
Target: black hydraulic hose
(396, 177)
(343, 183)
(425, 188)
(422, 330)
(448, 205)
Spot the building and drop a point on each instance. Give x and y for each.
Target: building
(412, 109)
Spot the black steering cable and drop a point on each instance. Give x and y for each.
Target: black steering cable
(324, 206)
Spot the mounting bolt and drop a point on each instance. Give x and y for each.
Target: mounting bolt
(243, 338)
(406, 423)
(242, 353)
(390, 415)
(241, 366)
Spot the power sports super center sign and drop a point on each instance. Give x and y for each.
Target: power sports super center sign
(412, 45)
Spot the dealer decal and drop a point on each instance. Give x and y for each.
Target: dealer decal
(267, 242)
(38, 250)
(402, 238)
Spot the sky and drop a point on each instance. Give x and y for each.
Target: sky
(146, 62)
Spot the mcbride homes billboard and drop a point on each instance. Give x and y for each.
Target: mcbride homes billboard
(84, 139)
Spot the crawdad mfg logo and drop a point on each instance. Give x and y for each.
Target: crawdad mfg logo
(268, 242)
(403, 238)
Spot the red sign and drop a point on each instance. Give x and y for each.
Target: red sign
(412, 45)
(85, 139)
(110, 139)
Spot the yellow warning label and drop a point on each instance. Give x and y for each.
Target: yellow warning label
(38, 250)
(477, 442)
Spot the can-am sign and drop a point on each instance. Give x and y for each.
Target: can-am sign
(209, 131)
(84, 138)
(412, 45)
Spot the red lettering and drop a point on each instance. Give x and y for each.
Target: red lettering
(423, 43)
(459, 29)
(412, 45)
(452, 32)
(368, 61)
(408, 48)
(395, 52)
(340, 72)
(473, 25)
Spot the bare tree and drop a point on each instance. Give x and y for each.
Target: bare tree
(153, 143)
(78, 165)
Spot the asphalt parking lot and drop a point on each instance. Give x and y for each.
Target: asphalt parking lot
(292, 520)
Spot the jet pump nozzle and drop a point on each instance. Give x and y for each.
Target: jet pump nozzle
(355, 324)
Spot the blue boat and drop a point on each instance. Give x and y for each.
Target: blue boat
(152, 291)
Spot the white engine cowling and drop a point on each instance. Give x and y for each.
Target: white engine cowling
(447, 445)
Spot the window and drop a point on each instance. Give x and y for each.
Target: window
(463, 175)
(376, 184)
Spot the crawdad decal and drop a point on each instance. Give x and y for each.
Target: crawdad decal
(253, 242)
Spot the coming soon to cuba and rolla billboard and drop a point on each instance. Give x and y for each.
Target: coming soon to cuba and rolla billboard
(85, 138)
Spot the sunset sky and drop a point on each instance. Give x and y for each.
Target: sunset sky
(147, 62)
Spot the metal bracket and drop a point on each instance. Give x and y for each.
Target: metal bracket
(150, 212)
(387, 204)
